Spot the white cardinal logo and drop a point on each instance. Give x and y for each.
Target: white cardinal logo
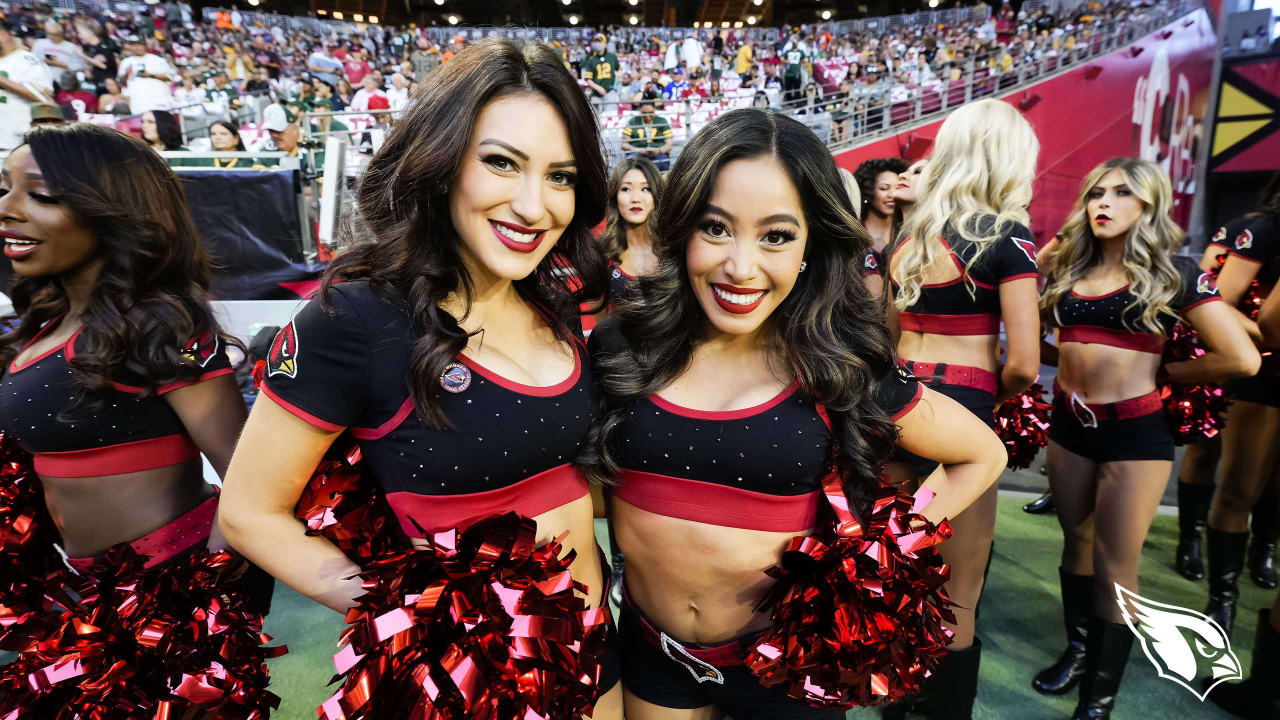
(1184, 645)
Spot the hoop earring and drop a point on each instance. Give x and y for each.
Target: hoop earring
(803, 264)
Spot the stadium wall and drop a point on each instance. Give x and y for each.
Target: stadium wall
(1149, 99)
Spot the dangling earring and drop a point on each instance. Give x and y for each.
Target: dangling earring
(803, 264)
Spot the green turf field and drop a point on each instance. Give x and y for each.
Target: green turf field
(1021, 629)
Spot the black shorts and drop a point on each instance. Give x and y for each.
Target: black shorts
(978, 402)
(1146, 437)
(1263, 389)
(652, 675)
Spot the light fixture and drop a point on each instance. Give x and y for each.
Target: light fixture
(358, 17)
(322, 11)
(633, 2)
(565, 2)
(696, 24)
(573, 19)
(738, 24)
(337, 14)
(751, 19)
(439, 2)
(933, 3)
(453, 19)
(724, 24)
(253, 3)
(826, 14)
(633, 20)
(757, 2)
(373, 19)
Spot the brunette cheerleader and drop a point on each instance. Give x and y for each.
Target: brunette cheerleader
(756, 362)
(876, 180)
(871, 273)
(445, 346)
(965, 265)
(634, 191)
(116, 379)
(1115, 290)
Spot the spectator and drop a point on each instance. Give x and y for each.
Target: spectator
(692, 52)
(146, 77)
(796, 55)
(99, 54)
(222, 94)
(56, 51)
(238, 64)
(342, 98)
(160, 130)
(600, 70)
(760, 100)
(399, 92)
(265, 57)
(648, 135)
(282, 126)
(322, 63)
(71, 95)
(746, 53)
(190, 96)
(370, 96)
(424, 59)
(23, 80)
(357, 66)
(112, 100)
(46, 114)
(678, 88)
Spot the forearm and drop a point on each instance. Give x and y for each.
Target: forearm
(1212, 367)
(1014, 379)
(957, 486)
(20, 90)
(311, 565)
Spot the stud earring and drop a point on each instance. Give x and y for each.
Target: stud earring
(803, 264)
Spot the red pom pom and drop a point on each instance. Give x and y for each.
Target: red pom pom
(1194, 411)
(858, 607)
(1022, 422)
(342, 504)
(28, 561)
(480, 624)
(142, 643)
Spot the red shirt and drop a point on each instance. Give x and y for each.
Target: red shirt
(356, 70)
(79, 100)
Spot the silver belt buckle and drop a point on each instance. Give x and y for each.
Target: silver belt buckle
(1086, 416)
(701, 671)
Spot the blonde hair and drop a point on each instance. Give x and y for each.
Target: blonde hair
(851, 187)
(1148, 249)
(983, 164)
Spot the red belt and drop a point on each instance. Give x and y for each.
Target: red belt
(698, 658)
(186, 530)
(959, 375)
(1090, 413)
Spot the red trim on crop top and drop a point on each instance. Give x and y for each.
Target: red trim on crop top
(1127, 339)
(717, 504)
(68, 346)
(673, 408)
(974, 324)
(127, 457)
(625, 274)
(535, 390)
(299, 412)
(530, 497)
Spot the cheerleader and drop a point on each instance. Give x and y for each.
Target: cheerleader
(634, 190)
(876, 181)
(964, 265)
(1114, 293)
(905, 193)
(116, 379)
(756, 362)
(1252, 429)
(445, 346)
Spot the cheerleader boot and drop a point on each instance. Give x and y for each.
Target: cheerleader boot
(1193, 514)
(1041, 505)
(1106, 652)
(954, 685)
(1258, 696)
(1077, 605)
(1226, 561)
(1262, 546)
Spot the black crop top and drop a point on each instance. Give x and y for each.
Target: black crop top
(68, 437)
(759, 468)
(512, 445)
(1102, 319)
(948, 308)
(1258, 241)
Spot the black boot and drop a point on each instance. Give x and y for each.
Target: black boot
(1106, 652)
(1258, 696)
(1262, 546)
(1042, 505)
(1077, 605)
(954, 685)
(1226, 561)
(1193, 514)
(617, 567)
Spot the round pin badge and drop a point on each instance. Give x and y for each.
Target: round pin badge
(455, 378)
(617, 273)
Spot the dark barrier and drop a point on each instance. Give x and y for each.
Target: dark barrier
(249, 223)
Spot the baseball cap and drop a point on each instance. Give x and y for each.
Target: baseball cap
(46, 111)
(379, 102)
(277, 119)
(599, 37)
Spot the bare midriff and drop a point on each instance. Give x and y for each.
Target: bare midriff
(1104, 373)
(980, 351)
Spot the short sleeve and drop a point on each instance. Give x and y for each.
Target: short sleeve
(1014, 255)
(1257, 242)
(1220, 237)
(206, 352)
(317, 366)
(897, 391)
(1196, 286)
(870, 265)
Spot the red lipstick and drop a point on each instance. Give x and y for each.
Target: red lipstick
(524, 247)
(736, 308)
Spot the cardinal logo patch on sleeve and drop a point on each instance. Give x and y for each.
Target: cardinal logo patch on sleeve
(1027, 247)
(282, 359)
(1204, 284)
(201, 348)
(1244, 240)
(870, 263)
(1219, 236)
(1186, 647)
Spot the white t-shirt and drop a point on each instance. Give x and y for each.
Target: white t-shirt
(27, 70)
(361, 99)
(64, 51)
(146, 93)
(692, 52)
(398, 98)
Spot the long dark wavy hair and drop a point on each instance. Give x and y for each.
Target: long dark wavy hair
(167, 130)
(152, 294)
(614, 239)
(867, 173)
(403, 203)
(1269, 199)
(828, 333)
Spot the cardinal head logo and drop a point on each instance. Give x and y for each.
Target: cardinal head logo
(282, 358)
(1027, 247)
(201, 348)
(1204, 284)
(1244, 240)
(1184, 645)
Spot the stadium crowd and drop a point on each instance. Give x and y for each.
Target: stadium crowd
(168, 57)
